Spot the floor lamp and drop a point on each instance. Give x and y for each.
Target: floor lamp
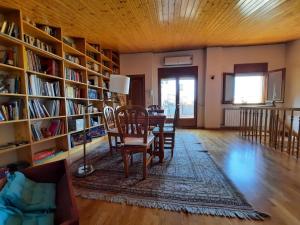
(85, 169)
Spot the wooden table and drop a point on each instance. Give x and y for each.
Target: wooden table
(159, 120)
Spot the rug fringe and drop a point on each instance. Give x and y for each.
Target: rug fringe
(222, 212)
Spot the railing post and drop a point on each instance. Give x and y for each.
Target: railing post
(290, 132)
(260, 125)
(276, 128)
(298, 139)
(266, 126)
(283, 131)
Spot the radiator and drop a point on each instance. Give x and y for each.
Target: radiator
(231, 118)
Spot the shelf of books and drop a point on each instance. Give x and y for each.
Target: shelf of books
(47, 80)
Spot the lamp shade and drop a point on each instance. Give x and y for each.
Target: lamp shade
(119, 84)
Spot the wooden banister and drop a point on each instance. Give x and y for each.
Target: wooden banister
(273, 127)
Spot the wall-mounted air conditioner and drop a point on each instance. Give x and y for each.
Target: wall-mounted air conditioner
(178, 60)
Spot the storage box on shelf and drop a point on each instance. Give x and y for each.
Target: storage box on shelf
(45, 82)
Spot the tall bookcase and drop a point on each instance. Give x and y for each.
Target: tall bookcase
(73, 71)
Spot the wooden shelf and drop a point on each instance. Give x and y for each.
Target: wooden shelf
(73, 65)
(105, 58)
(42, 52)
(79, 99)
(48, 139)
(75, 82)
(106, 68)
(47, 118)
(44, 75)
(13, 121)
(9, 40)
(2, 151)
(40, 96)
(91, 49)
(12, 95)
(38, 33)
(10, 68)
(73, 51)
(22, 126)
(90, 59)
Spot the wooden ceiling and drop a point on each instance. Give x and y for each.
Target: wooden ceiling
(165, 25)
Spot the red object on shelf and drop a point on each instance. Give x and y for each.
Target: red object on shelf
(43, 154)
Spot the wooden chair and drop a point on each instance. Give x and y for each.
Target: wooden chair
(169, 133)
(133, 122)
(111, 127)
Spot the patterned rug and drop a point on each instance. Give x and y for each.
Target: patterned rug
(190, 182)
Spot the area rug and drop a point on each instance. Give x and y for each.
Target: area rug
(189, 182)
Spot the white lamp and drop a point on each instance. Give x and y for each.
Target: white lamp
(119, 84)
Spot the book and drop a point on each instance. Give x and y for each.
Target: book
(74, 108)
(11, 110)
(72, 74)
(40, 87)
(9, 83)
(74, 92)
(93, 94)
(45, 130)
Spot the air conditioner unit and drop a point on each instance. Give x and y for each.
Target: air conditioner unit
(178, 60)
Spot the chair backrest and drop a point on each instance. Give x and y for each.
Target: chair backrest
(132, 121)
(109, 118)
(153, 107)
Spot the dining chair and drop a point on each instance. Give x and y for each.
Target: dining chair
(169, 133)
(133, 122)
(153, 107)
(111, 127)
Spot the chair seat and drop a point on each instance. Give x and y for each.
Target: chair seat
(133, 141)
(165, 130)
(113, 131)
(169, 124)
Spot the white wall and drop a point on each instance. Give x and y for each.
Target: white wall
(148, 64)
(292, 90)
(222, 59)
(210, 61)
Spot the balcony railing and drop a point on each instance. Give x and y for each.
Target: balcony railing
(277, 128)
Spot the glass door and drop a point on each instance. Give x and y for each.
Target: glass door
(179, 91)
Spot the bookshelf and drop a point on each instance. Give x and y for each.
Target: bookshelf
(46, 79)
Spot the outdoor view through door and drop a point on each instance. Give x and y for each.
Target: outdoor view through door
(177, 86)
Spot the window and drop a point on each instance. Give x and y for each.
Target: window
(248, 88)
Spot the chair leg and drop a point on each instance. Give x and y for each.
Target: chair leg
(144, 165)
(173, 145)
(110, 145)
(116, 143)
(125, 160)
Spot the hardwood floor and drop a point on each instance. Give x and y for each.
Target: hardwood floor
(269, 180)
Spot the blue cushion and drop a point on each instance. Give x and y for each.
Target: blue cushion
(38, 219)
(10, 216)
(28, 195)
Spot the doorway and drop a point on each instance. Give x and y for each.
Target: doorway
(136, 94)
(178, 87)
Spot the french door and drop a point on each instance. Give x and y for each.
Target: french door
(178, 87)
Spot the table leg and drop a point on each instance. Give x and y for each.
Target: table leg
(161, 143)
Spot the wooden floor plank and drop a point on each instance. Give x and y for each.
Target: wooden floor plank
(269, 180)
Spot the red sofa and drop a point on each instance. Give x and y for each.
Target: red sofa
(57, 172)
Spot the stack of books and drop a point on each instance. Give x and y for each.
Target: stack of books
(72, 74)
(41, 156)
(74, 92)
(39, 110)
(93, 94)
(72, 58)
(55, 127)
(40, 87)
(10, 111)
(40, 64)
(9, 84)
(69, 41)
(38, 43)
(8, 27)
(49, 30)
(74, 108)
(93, 66)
